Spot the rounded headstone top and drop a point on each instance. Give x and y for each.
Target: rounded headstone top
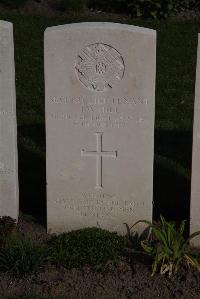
(103, 25)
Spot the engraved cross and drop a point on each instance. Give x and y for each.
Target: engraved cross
(99, 154)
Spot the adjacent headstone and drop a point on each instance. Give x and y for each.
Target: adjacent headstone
(8, 140)
(195, 186)
(100, 93)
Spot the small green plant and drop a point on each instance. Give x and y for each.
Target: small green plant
(91, 246)
(168, 246)
(20, 256)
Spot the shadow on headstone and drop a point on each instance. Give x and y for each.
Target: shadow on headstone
(32, 172)
(172, 168)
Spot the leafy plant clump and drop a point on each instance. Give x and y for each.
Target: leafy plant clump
(20, 256)
(91, 246)
(168, 247)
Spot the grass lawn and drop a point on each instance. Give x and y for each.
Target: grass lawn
(176, 64)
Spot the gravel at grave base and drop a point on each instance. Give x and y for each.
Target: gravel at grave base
(127, 277)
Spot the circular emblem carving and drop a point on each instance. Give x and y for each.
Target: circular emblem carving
(99, 67)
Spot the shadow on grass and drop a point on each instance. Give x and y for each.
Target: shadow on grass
(176, 145)
(32, 173)
(172, 175)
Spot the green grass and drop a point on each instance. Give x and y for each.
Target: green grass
(176, 64)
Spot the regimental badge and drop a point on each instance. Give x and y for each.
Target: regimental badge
(99, 67)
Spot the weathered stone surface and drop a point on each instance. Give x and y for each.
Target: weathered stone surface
(100, 93)
(195, 186)
(8, 127)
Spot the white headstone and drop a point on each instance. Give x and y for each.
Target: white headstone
(100, 93)
(8, 127)
(195, 186)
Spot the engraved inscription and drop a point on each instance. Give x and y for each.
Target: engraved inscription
(99, 67)
(6, 113)
(97, 205)
(134, 101)
(2, 167)
(4, 170)
(99, 154)
(100, 112)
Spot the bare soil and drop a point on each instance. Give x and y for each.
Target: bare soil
(128, 277)
(120, 280)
